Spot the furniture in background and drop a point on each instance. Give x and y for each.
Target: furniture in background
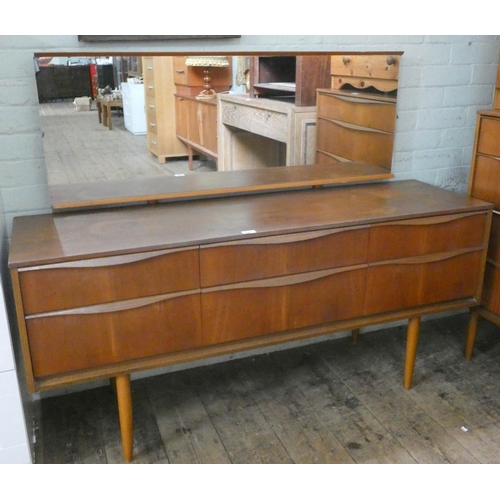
(484, 184)
(189, 80)
(104, 108)
(292, 78)
(160, 108)
(106, 76)
(197, 125)
(63, 82)
(355, 128)
(208, 63)
(134, 103)
(312, 109)
(259, 133)
(356, 117)
(107, 293)
(196, 117)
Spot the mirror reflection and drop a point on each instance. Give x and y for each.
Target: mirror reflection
(108, 119)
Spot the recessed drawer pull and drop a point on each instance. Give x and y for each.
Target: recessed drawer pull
(441, 219)
(154, 143)
(150, 87)
(426, 259)
(152, 106)
(152, 124)
(295, 279)
(359, 100)
(288, 238)
(180, 71)
(124, 305)
(107, 261)
(359, 128)
(150, 68)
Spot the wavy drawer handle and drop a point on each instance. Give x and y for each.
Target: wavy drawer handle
(360, 100)
(359, 128)
(124, 305)
(107, 261)
(442, 219)
(427, 259)
(296, 279)
(288, 238)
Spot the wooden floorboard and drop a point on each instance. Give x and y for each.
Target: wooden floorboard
(332, 403)
(80, 149)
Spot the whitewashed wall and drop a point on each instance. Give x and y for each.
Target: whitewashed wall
(444, 80)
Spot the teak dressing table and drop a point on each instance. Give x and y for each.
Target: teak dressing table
(109, 292)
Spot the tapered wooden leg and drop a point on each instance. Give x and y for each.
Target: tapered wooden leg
(124, 396)
(471, 333)
(355, 336)
(411, 350)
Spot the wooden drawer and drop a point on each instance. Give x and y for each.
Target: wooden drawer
(491, 288)
(358, 111)
(354, 143)
(181, 71)
(269, 306)
(282, 255)
(151, 107)
(97, 336)
(489, 133)
(270, 123)
(153, 143)
(426, 236)
(486, 180)
(99, 281)
(366, 66)
(420, 281)
(494, 243)
(152, 125)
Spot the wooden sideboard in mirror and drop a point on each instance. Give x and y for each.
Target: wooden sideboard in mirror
(133, 128)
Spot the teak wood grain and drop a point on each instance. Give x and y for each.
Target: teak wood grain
(190, 310)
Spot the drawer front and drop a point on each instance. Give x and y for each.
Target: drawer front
(153, 143)
(152, 124)
(366, 66)
(486, 180)
(98, 281)
(366, 113)
(280, 304)
(269, 123)
(426, 236)
(491, 289)
(148, 73)
(282, 255)
(354, 143)
(489, 133)
(101, 336)
(151, 109)
(180, 70)
(494, 244)
(419, 281)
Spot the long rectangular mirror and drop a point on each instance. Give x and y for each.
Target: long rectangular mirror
(138, 123)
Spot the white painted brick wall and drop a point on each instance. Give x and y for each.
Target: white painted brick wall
(444, 80)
